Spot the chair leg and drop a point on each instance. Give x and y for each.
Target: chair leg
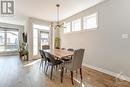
(76, 71)
(40, 64)
(51, 72)
(72, 77)
(81, 73)
(27, 57)
(46, 69)
(62, 73)
(45, 65)
(56, 67)
(65, 70)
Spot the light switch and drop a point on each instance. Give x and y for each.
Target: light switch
(125, 36)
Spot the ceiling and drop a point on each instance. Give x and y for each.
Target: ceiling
(46, 9)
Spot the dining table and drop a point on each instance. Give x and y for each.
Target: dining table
(60, 54)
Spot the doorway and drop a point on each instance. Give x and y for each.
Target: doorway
(41, 36)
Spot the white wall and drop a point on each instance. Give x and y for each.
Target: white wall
(105, 47)
(29, 30)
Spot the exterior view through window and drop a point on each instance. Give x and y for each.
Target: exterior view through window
(90, 22)
(76, 25)
(8, 40)
(44, 37)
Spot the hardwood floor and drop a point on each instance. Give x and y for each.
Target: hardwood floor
(14, 74)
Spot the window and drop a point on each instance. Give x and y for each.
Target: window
(76, 25)
(67, 27)
(90, 22)
(44, 38)
(8, 40)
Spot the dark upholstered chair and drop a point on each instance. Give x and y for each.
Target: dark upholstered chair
(45, 47)
(43, 58)
(70, 49)
(52, 62)
(63, 48)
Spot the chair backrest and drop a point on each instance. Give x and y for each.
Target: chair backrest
(42, 54)
(63, 48)
(45, 47)
(77, 59)
(50, 57)
(70, 49)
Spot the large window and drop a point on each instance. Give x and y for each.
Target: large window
(8, 40)
(67, 27)
(90, 22)
(76, 25)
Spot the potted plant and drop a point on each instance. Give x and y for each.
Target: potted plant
(57, 43)
(23, 50)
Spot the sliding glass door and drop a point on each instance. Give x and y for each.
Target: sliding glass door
(8, 40)
(2, 40)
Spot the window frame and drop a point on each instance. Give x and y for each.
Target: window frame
(89, 17)
(76, 30)
(6, 41)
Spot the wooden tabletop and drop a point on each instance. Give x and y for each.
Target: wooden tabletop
(60, 53)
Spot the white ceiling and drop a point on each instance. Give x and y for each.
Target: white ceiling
(46, 9)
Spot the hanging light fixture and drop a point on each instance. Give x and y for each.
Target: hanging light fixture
(58, 25)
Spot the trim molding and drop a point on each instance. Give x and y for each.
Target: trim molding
(107, 72)
(9, 53)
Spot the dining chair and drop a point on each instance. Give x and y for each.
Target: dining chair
(76, 63)
(67, 59)
(45, 47)
(63, 48)
(43, 58)
(70, 49)
(52, 62)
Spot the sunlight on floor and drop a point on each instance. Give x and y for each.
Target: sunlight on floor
(29, 64)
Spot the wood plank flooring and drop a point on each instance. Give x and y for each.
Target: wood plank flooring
(14, 74)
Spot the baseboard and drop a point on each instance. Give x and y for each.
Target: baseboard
(106, 71)
(9, 53)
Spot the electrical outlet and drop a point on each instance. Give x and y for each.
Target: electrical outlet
(125, 36)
